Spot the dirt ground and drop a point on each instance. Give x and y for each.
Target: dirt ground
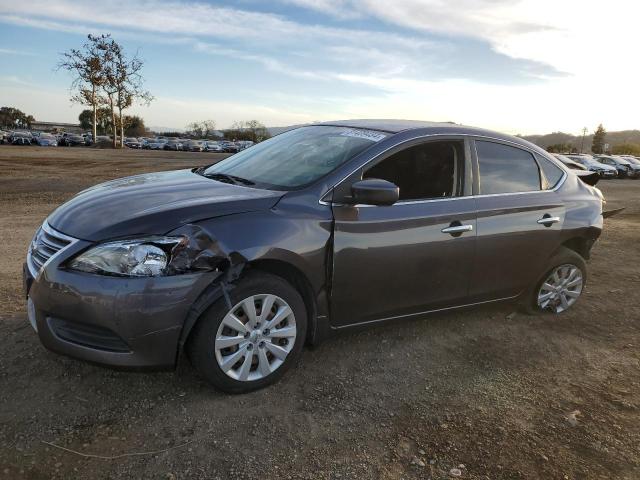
(494, 394)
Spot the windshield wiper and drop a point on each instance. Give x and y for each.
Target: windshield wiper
(233, 179)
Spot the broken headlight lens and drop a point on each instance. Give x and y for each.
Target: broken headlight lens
(143, 257)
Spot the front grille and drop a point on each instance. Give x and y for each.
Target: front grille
(46, 243)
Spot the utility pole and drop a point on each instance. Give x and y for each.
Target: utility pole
(584, 132)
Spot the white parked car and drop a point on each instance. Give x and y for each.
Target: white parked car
(212, 146)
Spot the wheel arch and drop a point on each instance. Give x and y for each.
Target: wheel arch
(298, 280)
(582, 244)
(280, 268)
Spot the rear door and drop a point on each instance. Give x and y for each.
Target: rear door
(416, 255)
(520, 217)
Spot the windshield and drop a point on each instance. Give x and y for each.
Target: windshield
(297, 157)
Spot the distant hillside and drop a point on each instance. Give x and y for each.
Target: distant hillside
(613, 139)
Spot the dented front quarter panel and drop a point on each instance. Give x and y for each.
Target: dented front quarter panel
(295, 232)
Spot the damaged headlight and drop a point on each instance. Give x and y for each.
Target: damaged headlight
(188, 249)
(142, 257)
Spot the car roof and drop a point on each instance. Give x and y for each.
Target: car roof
(433, 128)
(388, 125)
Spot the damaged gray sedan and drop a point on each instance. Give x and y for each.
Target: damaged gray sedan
(319, 229)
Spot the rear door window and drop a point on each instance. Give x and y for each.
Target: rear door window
(506, 169)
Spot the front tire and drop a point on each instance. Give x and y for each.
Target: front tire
(254, 343)
(561, 285)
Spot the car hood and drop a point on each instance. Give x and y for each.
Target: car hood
(153, 203)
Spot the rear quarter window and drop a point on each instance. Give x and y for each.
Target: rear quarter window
(551, 171)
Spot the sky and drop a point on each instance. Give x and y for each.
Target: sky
(517, 66)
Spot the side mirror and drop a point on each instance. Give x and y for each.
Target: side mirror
(374, 191)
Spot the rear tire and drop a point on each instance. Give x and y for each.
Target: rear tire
(257, 351)
(559, 288)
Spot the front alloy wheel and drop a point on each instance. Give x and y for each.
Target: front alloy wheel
(561, 289)
(253, 343)
(255, 337)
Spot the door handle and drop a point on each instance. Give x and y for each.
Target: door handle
(457, 229)
(548, 220)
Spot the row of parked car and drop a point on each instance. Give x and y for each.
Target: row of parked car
(158, 143)
(607, 166)
(40, 138)
(187, 145)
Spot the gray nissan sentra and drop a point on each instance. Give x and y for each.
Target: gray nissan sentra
(319, 229)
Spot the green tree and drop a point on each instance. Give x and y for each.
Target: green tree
(599, 139)
(102, 120)
(134, 126)
(86, 119)
(12, 117)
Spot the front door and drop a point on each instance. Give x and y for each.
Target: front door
(411, 257)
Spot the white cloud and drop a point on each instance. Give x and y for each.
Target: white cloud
(411, 66)
(342, 9)
(180, 112)
(11, 51)
(50, 105)
(171, 17)
(570, 34)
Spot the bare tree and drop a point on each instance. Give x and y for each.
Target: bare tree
(209, 128)
(110, 89)
(258, 131)
(248, 130)
(123, 85)
(203, 129)
(87, 66)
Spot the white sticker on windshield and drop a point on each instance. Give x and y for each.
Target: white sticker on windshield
(366, 134)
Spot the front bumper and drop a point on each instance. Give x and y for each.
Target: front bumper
(121, 322)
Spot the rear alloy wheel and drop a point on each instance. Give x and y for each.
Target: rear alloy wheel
(253, 343)
(561, 289)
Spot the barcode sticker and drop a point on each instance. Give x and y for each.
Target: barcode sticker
(366, 134)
